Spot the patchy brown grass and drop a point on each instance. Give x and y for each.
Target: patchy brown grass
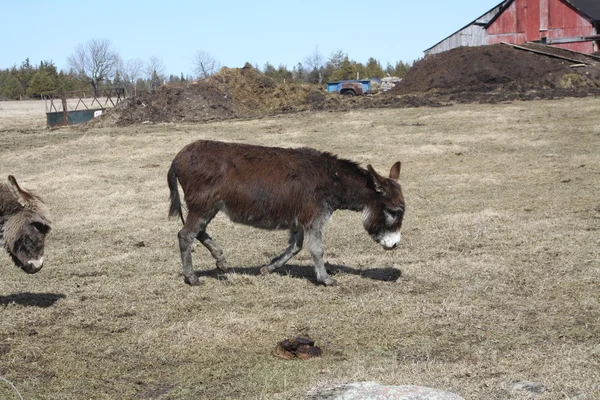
(499, 264)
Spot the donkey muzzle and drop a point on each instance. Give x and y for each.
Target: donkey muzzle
(390, 240)
(33, 266)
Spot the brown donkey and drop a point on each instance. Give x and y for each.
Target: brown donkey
(278, 188)
(24, 223)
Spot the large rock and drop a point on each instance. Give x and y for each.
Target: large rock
(375, 391)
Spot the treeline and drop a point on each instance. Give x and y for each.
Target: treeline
(29, 80)
(32, 81)
(337, 67)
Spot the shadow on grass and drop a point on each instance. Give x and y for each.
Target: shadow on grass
(41, 300)
(307, 272)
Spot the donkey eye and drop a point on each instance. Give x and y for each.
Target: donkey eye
(390, 216)
(398, 211)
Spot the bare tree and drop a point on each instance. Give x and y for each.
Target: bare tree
(315, 63)
(131, 72)
(205, 65)
(94, 61)
(155, 72)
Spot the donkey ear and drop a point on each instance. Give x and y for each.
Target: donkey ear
(395, 171)
(22, 196)
(377, 179)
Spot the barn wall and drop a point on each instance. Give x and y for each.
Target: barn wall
(544, 15)
(565, 21)
(530, 20)
(507, 37)
(506, 24)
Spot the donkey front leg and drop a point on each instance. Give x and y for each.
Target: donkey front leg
(315, 246)
(295, 245)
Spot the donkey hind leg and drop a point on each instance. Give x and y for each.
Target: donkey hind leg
(214, 249)
(194, 224)
(315, 246)
(295, 245)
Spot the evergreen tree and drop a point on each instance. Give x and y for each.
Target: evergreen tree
(337, 59)
(389, 69)
(373, 69)
(284, 74)
(155, 80)
(41, 83)
(118, 81)
(346, 69)
(269, 70)
(11, 87)
(50, 68)
(24, 73)
(299, 73)
(141, 86)
(401, 69)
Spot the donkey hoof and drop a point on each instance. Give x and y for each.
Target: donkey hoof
(223, 266)
(265, 270)
(330, 282)
(191, 280)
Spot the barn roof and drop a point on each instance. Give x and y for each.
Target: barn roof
(476, 21)
(589, 8)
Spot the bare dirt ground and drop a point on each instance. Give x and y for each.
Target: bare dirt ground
(496, 280)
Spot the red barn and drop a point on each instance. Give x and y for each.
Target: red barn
(571, 24)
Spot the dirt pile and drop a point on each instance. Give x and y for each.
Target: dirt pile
(500, 72)
(255, 94)
(172, 103)
(231, 93)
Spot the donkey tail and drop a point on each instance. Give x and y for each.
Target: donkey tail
(175, 208)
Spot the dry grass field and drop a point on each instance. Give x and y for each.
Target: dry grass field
(497, 279)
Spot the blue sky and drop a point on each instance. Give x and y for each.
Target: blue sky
(233, 32)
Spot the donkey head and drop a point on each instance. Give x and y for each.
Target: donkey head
(382, 216)
(24, 231)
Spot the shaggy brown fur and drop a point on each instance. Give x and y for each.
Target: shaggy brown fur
(277, 188)
(24, 224)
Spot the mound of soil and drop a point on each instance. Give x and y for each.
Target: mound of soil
(254, 94)
(499, 72)
(231, 93)
(174, 103)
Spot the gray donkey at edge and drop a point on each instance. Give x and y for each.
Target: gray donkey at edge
(24, 224)
(279, 188)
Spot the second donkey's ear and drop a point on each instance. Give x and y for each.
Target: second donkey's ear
(22, 196)
(378, 180)
(395, 171)
(28, 200)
